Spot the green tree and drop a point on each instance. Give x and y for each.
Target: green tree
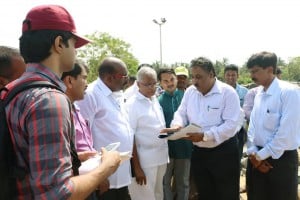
(293, 69)
(280, 62)
(244, 76)
(104, 45)
(219, 68)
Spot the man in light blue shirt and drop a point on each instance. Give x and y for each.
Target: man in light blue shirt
(273, 135)
(231, 75)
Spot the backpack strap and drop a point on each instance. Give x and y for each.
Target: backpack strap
(13, 90)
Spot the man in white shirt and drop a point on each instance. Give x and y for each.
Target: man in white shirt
(249, 97)
(150, 154)
(133, 89)
(103, 107)
(273, 134)
(215, 107)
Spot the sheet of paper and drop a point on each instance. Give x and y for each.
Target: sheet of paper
(95, 161)
(192, 128)
(125, 156)
(89, 164)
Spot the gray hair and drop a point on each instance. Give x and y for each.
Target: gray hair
(146, 71)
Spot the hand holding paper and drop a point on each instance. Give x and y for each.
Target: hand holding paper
(107, 155)
(180, 132)
(195, 137)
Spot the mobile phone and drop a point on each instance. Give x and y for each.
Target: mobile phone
(112, 146)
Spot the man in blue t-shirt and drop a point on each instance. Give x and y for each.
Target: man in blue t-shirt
(231, 75)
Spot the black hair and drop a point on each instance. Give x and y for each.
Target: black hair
(231, 67)
(6, 55)
(204, 63)
(165, 70)
(35, 45)
(77, 69)
(263, 59)
(132, 78)
(278, 71)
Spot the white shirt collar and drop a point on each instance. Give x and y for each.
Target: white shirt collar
(103, 87)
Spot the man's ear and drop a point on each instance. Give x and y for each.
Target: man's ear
(109, 78)
(68, 80)
(271, 70)
(58, 44)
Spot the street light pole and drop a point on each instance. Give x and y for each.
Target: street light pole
(160, 23)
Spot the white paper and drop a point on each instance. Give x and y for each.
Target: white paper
(95, 161)
(192, 128)
(89, 164)
(125, 156)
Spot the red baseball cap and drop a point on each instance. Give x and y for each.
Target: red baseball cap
(52, 17)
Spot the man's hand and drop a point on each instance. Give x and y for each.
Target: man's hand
(265, 167)
(140, 176)
(261, 165)
(111, 159)
(254, 161)
(171, 130)
(103, 187)
(83, 156)
(195, 137)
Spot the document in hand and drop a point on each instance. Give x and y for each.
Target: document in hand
(95, 161)
(192, 128)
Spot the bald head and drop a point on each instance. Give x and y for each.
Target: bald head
(110, 65)
(113, 72)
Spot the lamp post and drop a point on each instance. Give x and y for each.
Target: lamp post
(160, 23)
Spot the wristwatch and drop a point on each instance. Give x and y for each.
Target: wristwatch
(204, 139)
(257, 157)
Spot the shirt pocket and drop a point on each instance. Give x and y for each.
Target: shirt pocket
(271, 121)
(213, 115)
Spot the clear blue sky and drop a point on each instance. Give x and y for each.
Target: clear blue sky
(213, 28)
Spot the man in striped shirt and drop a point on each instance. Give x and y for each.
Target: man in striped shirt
(40, 119)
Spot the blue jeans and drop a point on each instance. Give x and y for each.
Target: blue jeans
(179, 170)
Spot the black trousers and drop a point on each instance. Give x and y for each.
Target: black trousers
(280, 183)
(216, 171)
(116, 194)
(242, 138)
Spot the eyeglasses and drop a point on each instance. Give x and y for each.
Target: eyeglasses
(149, 85)
(120, 76)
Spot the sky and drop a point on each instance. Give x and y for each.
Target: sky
(216, 29)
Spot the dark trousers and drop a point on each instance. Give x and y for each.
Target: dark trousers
(216, 171)
(280, 183)
(116, 194)
(242, 138)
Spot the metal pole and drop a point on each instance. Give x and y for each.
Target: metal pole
(160, 43)
(162, 21)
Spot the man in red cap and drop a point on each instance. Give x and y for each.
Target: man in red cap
(40, 119)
